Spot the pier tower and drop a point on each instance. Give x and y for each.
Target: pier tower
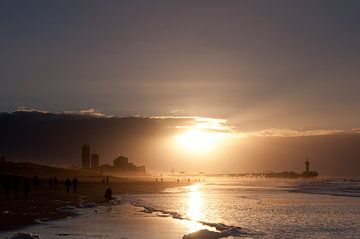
(307, 165)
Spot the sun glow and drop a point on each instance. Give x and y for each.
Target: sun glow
(197, 140)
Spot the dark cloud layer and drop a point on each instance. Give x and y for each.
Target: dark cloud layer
(57, 138)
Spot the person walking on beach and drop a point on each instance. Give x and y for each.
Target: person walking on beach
(16, 185)
(55, 181)
(107, 180)
(51, 181)
(6, 186)
(75, 183)
(67, 185)
(26, 186)
(36, 182)
(108, 194)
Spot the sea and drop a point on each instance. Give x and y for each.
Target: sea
(217, 208)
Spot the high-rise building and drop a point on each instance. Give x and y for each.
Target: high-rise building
(95, 161)
(85, 156)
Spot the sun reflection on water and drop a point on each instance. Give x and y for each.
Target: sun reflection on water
(194, 203)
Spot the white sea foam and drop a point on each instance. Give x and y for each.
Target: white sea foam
(66, 209)
(222, 230)
(87, 205)
(21, 235)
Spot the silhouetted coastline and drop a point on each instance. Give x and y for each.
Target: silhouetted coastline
(45, 202)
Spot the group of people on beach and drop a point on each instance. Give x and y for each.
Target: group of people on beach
(69, 183)
(11, 185)
(53, 182)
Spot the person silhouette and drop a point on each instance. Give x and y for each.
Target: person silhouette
(55, 181)
(67, 185)
(7, 186)
(36, 182)
(75, 183)
(16, 185)
(51, 182)
(108, 194)
(26, 186)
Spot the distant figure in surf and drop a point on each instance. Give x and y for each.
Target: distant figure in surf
(103, 181)
(75, 183)
(107, 180)
(67, 185)
(108, 194)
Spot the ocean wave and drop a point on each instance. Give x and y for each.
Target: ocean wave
(221, 229)
(207, 234)
(333, 187)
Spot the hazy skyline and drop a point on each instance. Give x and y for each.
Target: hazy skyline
(166, 143)
(274, 64)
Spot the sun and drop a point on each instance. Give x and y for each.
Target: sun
(197, 140)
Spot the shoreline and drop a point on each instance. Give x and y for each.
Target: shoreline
(44, 204)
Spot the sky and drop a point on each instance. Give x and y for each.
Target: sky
(260, 64)
(268, 68)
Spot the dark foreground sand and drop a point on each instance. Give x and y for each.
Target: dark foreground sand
(44, 202)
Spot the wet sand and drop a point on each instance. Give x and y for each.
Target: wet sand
(43, 203)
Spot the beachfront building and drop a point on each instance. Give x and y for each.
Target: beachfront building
(122, 163)
(95, 160)
(85, 156)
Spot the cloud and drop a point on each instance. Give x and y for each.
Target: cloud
(88, 112)
(85, 112)
(25, 109)
(273, 132)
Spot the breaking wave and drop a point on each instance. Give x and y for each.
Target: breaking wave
(220, 230)
(333, 187)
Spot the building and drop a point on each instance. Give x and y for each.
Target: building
(95, 160)
(121, 162)
(85, 156)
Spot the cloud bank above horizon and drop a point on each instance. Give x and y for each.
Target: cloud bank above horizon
(209, 124)
(56, 139)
